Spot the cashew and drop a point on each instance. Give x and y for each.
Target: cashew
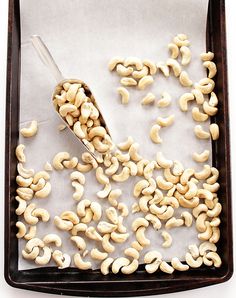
(84, 168)
(211, 68)
(29, 218)
(154, 134)
(62, 224)
(171, 192)
(52, 238)
(178, 168)
(119, 263)
(204, 174)
(165, 101)
(119, 238)
(45, 258)
(31, 130)
(113, 196)
(21, 207)
(172, 201)
(107, 246)
(140, 236)
(157, 210)
(148, 99)
(58, 159)
(176, 264)
(93, 234)
(182, 188)
(183, 101)
(97, 131)
(133, 61)
(138, 74)
(151, 188)
(215, 222)
(66, 109)
(114, 61)
(214, 130)
(141, 165)
(123, 209)
(162, 161)
(156, 223)
(215, 258)
(202, 157)
(164, 122)
(212, 187)
(207, 56)
(188, 219)
(163, 184)
(122, 157)
(192, 190)
(99, 145)
(31, 233)
(174, 64)
(80, 264)
(124, 71)
(136, 246)
(25, 173)
(88, 216)
(163, 68)
(71, 216)
(200, 133)
(194, 250)
(153, 260)
(215, 211)
(20, 153)
(135, 208)
(139, 187)
(131, 268)
(206, 235)
(199, 97)
(192, 262)
(174, 223)
(62, 260)
(126, 145)
(31, 255)
(170, 177)
(149, 168)
(105, 265)
(205, 85)
(21, 229)
(201, 222)
(98, 255)
(122, 176)
(128, 82)
(198, 116)
(133, 152)
(209, 110)
(185, 80)
(81, 207)
(165, 267)
(174, 50)
(186, 55)
(213, 101)
(79, 190)
(167, 239)
(41, 213)
(35, 242)
(187, 203)
(139, 222)
(181, 40)
(44, 192)
(205, 194)
(151, 65)
(80, 227)
(166, 214)
(215, 235)
(39, 175)
(132, 166)
(207, 246)
(145, 81)
(124, 95)
(112, 169)
(97, 211)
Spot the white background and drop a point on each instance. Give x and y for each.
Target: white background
(226, 289)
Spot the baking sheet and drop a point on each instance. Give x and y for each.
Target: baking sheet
(83, 36)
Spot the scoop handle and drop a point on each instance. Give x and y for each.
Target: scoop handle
(46, 57)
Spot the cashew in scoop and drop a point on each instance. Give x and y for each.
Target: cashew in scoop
(20, 153)
(31, 130)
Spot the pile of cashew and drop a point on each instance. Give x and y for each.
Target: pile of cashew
(158, 196)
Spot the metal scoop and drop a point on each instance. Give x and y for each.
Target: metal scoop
(48, 60)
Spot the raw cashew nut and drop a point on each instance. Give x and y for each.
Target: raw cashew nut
(58, 159)
(23, 172)
(163, 68)
(200, 133)
(154, 134)
(198, 116)
(214, 130)
(139, 187)
(107, 246)
(145, 81)
(41, 213)
(167, 239)
(124, 71)
(62, 260)
(80, 227)
(112, 215)
(126, 145)
(114, 61)
(151, 65)
(176, 264)
(187, 217)
(186, 55)
(181, 40)
(183, 101)
(105, 265)
(71, 216)
(113, 196)
(162, 161)
(141, 238)
(122, 176)
(132, 166)
(153, 260)
(185, 80)
(174, 223)
(148, 99)
(207, 56)
(165, 267)
(119, 238)
(52, 238)
(211, 68)
(131, 268)
(215, 258)
(31, 130)
(93, 234)
(199, 97)
(79, 190)
(45, 258)
(44, 192)
(213, 101)
(205, 85)
(97, 211)
(113, 168)
(21, 229)
(79, 263)
(133, 61)
(174, 49)
(128, 82)
(64, 225)
(138, 74)
(31, 233)
(35, 242)
(98, 255)
(165, 101)
(163, 184)
(174, 64)
(139, 222)
(21, 207)
(31, 255)
(201, 157)
(29, 218)
(133, 152)
(192, 262)
(20, 153)
(156, 223)
(123, 209)
(119, 263)
(124, 95)
(204, 174)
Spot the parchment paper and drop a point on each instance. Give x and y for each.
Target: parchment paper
(82, 36)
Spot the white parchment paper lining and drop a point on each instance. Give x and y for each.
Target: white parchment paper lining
(82, 36)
